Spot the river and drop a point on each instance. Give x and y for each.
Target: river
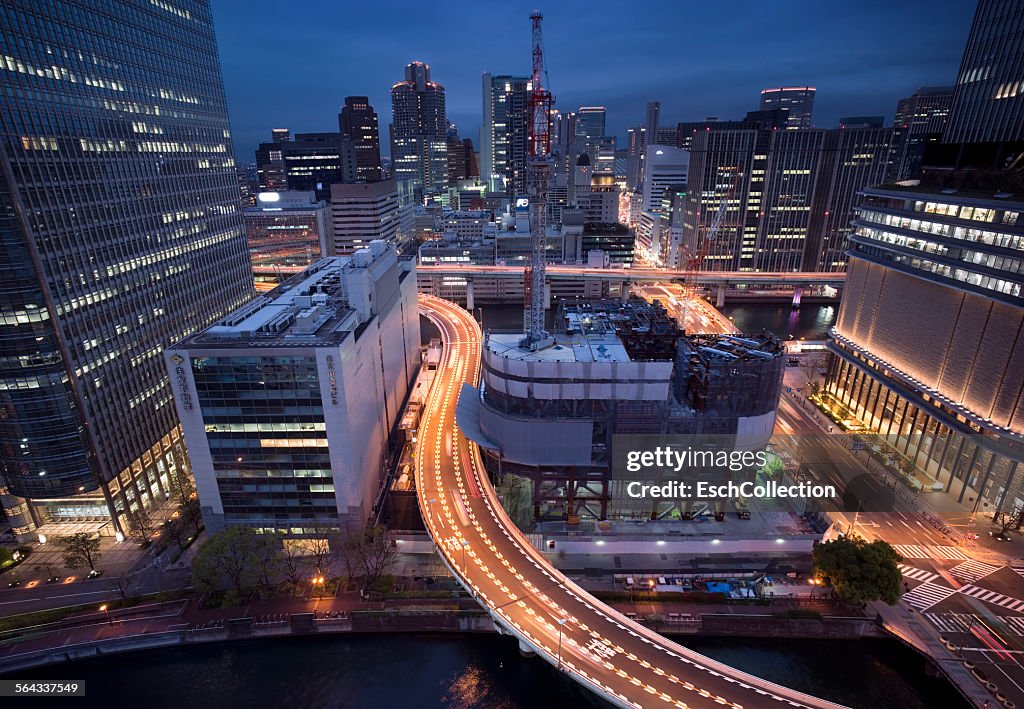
(467, 671)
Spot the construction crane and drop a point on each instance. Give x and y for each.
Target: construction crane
(539, 167)
(694, 262)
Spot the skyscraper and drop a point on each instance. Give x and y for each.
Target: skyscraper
(590, 122)
(793, 193)
(136, 244)
(917, 116)
(798, 100)
(361, 213)
(505, 132)
(419, 130)
(360, 140)
(988, 98)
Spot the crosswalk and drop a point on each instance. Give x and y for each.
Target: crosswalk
(1019, 570)
(1015, 623)
(970, 571)
(927, 595)
(921, 551)
(952, 622)
(917, 574)
(993, 597)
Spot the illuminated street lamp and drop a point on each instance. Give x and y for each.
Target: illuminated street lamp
(107, 613)
(318, 582)
(465, 568)
(561, 623)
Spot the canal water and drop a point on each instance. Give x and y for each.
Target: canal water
(810, 321)
(466, 671)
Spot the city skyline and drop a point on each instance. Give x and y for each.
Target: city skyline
(861, 59)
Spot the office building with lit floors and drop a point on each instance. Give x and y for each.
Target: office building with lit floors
(120, 232)
(929, 343)
(289, 402)
(286, 232)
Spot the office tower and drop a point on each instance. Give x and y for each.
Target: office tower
(307, 162)
(666, 168)
(666, 136)
(461, 159)
(651, 118)
(270, 171)
(360, 140)
(862, 122)
(121, 233)
(312, 161)
(363, 212)
(280, 135)
(419, 130)
(917, 116)
(649, 135)
(288, 403)
(926, 347)
(792, 193)
(286, 231)
(590, 126)
(988, 98)
(602, 154)
(798, 100)
(563, 131)
(636, 141)
(504, 135)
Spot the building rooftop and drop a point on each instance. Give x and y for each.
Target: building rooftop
(310, 309)
(948, 193)
(598, 347)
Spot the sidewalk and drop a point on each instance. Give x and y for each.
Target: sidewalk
(913, 630)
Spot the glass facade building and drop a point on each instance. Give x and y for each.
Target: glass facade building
(120, 233)
(927, 345)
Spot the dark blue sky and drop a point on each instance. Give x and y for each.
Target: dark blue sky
(291, 64)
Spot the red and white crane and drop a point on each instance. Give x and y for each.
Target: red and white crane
(539, 167)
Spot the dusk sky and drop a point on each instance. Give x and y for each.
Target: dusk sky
(291, 64)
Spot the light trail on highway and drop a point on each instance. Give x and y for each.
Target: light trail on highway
(598, 647)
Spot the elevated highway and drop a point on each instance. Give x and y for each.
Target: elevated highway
(626, 663)
(644, 275)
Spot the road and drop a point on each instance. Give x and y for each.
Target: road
(693, 314)
(977, 604)
(597, 646)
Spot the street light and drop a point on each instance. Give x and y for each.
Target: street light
(465, 568)
(560, 622)
(107, 613)
(318, 582)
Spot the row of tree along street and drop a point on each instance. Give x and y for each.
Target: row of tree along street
(241, 564)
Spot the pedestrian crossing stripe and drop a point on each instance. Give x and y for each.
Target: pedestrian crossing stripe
(1014, 623)
(927, 595)
(993, 597)
(973, 570)
(917, 574)
(1018, 569)
(918, 551)
(952, 622)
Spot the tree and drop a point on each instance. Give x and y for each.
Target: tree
(81, 549)
(192, 516)
(292, 564)
(122, 584)
(229, 558)
(6, 556)
(1005, 520)
(181, 485)
(376, 552)
(140, 526)
(858, 570)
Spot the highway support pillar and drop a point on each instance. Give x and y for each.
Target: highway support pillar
(798, 293)
(720, 298)
(470, 304)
